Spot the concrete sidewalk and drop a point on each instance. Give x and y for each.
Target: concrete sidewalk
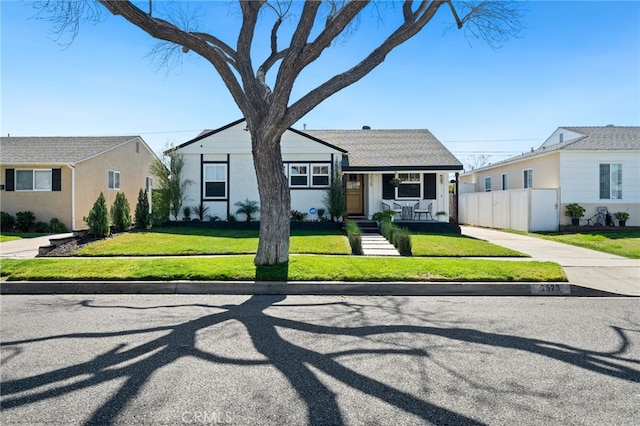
(584, 267)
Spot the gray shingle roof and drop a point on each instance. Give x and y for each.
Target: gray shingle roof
(55, 150)
(368, 149)
(610, 138)
(603, 138)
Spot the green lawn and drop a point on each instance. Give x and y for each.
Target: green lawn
(18, 236)
(451, 245)
(209, 241)
(619, 242)
(300, 267)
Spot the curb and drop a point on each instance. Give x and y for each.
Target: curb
(303, 288)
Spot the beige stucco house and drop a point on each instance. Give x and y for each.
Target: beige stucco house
(62, 177)
(592, 166)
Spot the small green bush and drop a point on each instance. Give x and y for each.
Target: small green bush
(354, 234)
(25, 220)
(7, 222)
(121, 213)
(160, 212)
(41, 227)
(98, 219)
(298, 216)
(402, 242)
(186, 213)
(57, 227)
(200, 210)
(141, 214)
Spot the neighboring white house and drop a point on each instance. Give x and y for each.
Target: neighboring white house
(592, 166)
(220, 164)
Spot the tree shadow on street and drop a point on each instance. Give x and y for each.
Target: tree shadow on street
(136, 365)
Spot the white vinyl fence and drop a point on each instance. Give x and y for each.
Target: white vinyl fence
(528, 210)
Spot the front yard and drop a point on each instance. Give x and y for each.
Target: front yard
(215, 254)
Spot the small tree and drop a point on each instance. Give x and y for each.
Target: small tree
(98, 219)
(248, 208)
(335, 197)
(142, 210)
(171, 182)
(159, 207)
(121, 213)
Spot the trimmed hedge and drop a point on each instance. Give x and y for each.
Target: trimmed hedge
(354, 234)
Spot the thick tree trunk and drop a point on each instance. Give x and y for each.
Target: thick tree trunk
(275, 198)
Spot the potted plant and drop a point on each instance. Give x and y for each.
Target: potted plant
(386, 215)
(442, 216)
(622, 218)
(395, 182)
(575, 211)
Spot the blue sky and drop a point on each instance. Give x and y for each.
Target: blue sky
(574, 64)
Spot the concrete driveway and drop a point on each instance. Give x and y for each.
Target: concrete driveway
(27, 247)
(584, 267)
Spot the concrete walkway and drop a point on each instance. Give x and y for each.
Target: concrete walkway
(377, 245)
(584, 267)
(26, 248)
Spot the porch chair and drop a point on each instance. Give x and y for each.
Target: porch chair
(397, 208)
(426, 212)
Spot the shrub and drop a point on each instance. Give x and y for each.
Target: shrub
(41, 227)
(98, 219)
(248, 208)
(7, 222)
(121, 213)
(159, 207)
(334, 197)
(186, 214)
(25, 220)
(402, 242)
(297, 216)
(56, 226)
(354, 234)
(142, 210)
(200, 210)
(574, 210)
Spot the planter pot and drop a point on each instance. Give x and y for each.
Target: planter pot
(575, 221)
(441, 218)
(622, 223)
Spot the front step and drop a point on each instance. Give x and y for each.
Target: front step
(377, 245)
(366, 226)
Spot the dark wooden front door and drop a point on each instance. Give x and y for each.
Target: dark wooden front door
(355, 194)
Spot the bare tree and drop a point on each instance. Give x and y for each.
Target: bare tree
(269, 109)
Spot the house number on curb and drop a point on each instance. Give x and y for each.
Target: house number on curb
(550, 289)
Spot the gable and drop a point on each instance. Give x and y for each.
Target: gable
(235, 139)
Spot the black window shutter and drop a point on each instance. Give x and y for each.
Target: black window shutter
(388, 190)
(9, 175)
(56, 180)
(429, 186)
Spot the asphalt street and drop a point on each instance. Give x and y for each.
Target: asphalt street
(320, 360)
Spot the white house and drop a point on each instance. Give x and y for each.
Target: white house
(596, 167)
(220, 164)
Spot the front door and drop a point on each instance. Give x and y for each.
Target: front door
(355, 194)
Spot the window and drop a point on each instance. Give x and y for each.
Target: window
(611, 181)
(33, 180)
(298, 175)
(487, 184)
(113, 180)
(505, 181)
(527, 178)
(409, 185)
(319, 175)
(215, 181)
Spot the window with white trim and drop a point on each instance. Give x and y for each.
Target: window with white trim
(215, 181)
(611, 181)
(319, 175)
(113, 180)
(410, 185)
(487, 184)
(33, 180)
(298, 175)
(505, 181)
(527, 178)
